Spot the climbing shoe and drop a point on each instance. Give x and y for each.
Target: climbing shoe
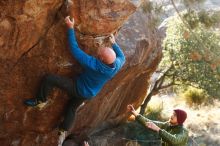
(33, 102)
(62, 136)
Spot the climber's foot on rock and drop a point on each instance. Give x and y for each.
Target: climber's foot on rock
(33, 102)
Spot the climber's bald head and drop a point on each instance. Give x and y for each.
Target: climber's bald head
(106, 55)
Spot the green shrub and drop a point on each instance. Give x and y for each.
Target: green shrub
(195, 97)
(153, 112)
(144, 136)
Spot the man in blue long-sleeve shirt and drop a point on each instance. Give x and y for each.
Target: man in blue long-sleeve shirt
(97, 71)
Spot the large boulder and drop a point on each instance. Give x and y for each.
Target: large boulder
(33, 43)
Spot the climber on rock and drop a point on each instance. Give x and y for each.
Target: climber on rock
(97, 71)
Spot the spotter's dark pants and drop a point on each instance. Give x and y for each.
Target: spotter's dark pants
(68, 85)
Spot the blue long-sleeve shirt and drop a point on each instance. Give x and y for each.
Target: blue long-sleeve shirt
(96, 73)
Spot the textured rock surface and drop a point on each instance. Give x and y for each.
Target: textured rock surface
(33, 43)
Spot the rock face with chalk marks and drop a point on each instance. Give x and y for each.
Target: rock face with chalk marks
(33, 43)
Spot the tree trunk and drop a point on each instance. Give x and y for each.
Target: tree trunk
(33, 43)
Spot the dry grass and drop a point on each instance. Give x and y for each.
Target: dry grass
(195, 97)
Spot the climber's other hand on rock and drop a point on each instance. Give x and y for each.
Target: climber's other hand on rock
(112, 39)
(69, 23)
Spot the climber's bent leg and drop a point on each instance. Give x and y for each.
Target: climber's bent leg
(47, 84)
